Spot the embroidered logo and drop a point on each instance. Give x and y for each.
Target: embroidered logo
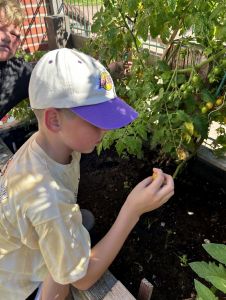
(106, 81)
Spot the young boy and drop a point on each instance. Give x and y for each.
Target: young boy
(42, 239)
(14, 72)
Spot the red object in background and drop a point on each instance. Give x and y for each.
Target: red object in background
(5, 118)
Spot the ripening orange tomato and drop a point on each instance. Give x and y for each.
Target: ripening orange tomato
(154, 176)
(209, 105)
(219, 101)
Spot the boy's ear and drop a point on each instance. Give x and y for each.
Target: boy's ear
(52, 119)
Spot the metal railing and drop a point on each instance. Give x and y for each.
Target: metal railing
(80, 13)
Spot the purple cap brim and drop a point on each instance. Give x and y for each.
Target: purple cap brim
(108, 115)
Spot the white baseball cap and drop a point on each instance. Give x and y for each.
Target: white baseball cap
(66, 78)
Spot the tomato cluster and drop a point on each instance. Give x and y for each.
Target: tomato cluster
(209, 105)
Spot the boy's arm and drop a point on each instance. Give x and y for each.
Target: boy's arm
(52, 290)
(146, 196)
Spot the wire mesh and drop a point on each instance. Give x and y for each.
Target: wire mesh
(80, 13)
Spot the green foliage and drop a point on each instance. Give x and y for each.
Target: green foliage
(175, 94)
(213, 273)
(30, 57)
(22, 111)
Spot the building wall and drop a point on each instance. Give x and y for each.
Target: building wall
(34, 30)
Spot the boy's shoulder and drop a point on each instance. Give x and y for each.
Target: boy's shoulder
(31, 159)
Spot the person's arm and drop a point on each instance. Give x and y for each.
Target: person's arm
(146, 196)
(15, 77)
(52, 290)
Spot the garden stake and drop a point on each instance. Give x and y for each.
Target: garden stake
(145, 290)
(217, 94)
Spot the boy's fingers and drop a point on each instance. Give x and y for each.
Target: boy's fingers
(157, 184)
(167, 197)
(145, 182)
(169, 180)
(167, 188)
(157, 178)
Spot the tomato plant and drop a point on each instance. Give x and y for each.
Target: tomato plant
(176, 94)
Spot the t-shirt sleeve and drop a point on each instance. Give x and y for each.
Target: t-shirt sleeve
(65, 245)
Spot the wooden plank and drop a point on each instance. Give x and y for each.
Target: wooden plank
(207, 155)
(205, 152)
(58, 31)
(145, 290)
(107, 288)
(5, 154)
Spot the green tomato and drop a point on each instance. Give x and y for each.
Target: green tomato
(185, 94)
(190, 89)
(204, 110)
(183, 87)
(211, 79)
(216, 70)
(195, 80)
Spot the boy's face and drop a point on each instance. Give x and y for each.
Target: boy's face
(79, 135)
(9, 38)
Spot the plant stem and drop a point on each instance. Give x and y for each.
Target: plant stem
(197, 67)
(167, 113)
(171, 40)
(130, 31)
(179, 168)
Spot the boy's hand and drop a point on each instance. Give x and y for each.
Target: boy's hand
(150, 193)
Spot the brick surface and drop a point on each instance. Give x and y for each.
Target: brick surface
(34, 30)
(34, 15)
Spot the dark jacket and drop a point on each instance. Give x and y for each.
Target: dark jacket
(14, 80)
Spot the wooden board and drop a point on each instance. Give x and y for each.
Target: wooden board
(107, 288)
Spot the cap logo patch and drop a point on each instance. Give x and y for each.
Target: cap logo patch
(105, 81)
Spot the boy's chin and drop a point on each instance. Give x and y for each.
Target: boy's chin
(87, 151)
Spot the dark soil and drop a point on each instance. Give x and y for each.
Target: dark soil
(166, 240)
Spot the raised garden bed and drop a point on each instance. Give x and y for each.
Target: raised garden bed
(16, 133)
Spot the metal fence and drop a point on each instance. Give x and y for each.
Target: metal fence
(80, 13)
